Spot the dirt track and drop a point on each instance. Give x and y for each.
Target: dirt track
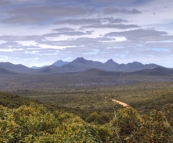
(121, 103)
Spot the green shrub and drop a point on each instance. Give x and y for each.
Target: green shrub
(126, 122)
(154, 129)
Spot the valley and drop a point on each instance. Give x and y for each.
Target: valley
(92, 96)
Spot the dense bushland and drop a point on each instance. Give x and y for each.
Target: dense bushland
(34, 123)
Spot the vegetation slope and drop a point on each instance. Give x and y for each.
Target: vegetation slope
(34, 123)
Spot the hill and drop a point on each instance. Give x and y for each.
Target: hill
(15, 68)
(158, 71)
(6, 72)
(50, 70)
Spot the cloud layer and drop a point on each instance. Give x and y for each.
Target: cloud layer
(41, 32)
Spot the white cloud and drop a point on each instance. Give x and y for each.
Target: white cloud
(27, 43)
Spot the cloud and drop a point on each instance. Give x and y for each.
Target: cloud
(73, 33)
(3, 2)
(142, 35)
(45, 37)
(11, 47)
(64, 29)
(88, 21)
(116, 26)
(123, 3)
(34, 15)
(114, 10)
(10, 44)
(22, 19)
(20, 38)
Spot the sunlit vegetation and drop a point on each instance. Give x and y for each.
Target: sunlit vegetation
(87, 115)
(34, 123)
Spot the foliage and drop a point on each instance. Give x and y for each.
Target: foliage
(83, 101)
(99, 118)
(126, 122)
(36, 124)
(154, 128)
(14, 101)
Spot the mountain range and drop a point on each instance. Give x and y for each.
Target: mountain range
(81, 64)
(78, 65)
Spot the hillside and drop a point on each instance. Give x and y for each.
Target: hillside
(6, 72)
(158, 71)
(15, 68)
(34, 123)
(50, 70)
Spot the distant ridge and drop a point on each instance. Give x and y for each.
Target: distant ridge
(78, 65)
(81, 64)
(52, 69)
(15, 68)
(158, 71)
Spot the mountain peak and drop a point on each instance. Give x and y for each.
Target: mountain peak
(135, 62)
(111, 62)
(80, 60)
(60, 63)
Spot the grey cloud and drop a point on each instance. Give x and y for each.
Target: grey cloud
(113, 20)
(2, 2)
(64, 29)
(43, 14)
(20, 38)
(10, 44)
(142, 35)
(123, 3)
(87, 21)
(23, 19)
(116, 26)
(132, 36)
(50, 11)
(78, 21)
(40, 38)
(114, 10)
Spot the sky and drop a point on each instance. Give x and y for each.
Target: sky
(40, 32)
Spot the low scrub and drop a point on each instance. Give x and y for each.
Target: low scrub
(35, 124)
